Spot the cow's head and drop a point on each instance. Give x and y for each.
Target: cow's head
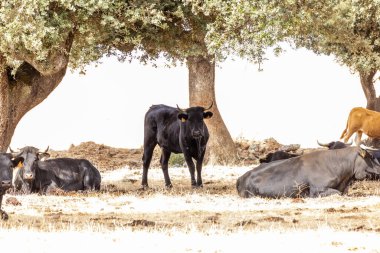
(334, 144)
(31, 156)
(371, 158)
(192, 120)
(7, 163)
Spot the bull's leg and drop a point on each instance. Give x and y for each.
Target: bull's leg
(190, 164)
(147, 158)
(348, 135)
(165, 155)
(199, 171)
(358, 138)
(4, 215)
(318, 192)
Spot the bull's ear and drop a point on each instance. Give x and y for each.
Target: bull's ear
(18, 162)
(207, 115)
(363, 153)
(183, 117)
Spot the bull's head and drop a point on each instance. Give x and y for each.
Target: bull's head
(31, 156)
(371, 157)
(193, 118)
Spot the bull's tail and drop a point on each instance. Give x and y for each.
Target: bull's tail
(346, 129)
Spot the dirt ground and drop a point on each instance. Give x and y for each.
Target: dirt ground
(213, 211)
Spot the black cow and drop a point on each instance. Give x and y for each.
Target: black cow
(334, 144)
(7, 162)
(61, 173)
(179, 131)
(320, 173)
(277, 155)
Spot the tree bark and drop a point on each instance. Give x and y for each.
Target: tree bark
(21, 92)
(366, 80)
(220, 147)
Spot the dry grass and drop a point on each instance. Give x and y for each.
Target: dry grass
(212, 219)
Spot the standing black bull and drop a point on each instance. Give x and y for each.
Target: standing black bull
(179, 131)
(6, 164)
(64, 173)
(319, 173)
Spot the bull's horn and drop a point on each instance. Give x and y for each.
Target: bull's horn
(323, 144)
(11, 150)
(350, 143)
(180, 109)
(362, 146)
(212, 103)
(47, 149)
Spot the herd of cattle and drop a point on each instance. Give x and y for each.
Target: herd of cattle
(176, 130)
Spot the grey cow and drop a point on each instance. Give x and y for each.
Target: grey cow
(320, 173)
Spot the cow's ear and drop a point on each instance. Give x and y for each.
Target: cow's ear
(183, 117)
(18, 162)
(363, 153)
(207, 115)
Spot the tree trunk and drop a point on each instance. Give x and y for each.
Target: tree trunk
(21, 92)
(220, 147)
(373, 102)
(366, 80)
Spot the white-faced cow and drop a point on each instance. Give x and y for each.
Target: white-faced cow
(61, 173)
(7, 163)
(361, 120)
(179, 131)
(320, 173)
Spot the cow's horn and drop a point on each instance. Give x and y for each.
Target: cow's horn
(212, 103)
(350, 143)
(47, 149)
(180, 109)
(362, 146)
(323, 144)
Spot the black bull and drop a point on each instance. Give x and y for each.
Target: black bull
(320, 173)
(61, 173)
(179, 131)
(7, 163)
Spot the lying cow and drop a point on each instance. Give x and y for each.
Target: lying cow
(179, 131)
(277, 155)
(320, 173)
(7, 163)
(61, 173)
(334, 144)
(361, 120)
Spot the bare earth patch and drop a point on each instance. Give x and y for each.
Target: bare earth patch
(212, 219)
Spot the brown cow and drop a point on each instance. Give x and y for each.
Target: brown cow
(361, 120)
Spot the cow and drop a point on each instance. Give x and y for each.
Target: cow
(43, 176)
(277, 155)
(179, 131)
(7, 163)
(361, 120)
(334, 144)
(319, 173)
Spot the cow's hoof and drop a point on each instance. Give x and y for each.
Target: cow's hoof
(4, 215)
(197, 186)
(143, 188)
(169, 186)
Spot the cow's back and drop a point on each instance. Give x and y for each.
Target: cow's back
(70, 173)
(161, 125)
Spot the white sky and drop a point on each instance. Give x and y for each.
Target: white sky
(298, 98)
